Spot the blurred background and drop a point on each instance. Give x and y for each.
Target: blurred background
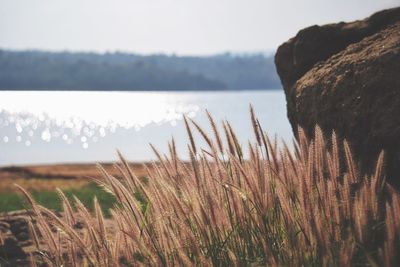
(82, 78)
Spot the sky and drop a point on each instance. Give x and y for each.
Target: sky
(183, 27)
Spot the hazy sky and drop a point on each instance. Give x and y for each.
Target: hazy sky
(169, 26)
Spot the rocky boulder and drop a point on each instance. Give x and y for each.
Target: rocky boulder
(346, 77)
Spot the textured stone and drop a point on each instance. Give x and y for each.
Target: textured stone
(346, 77)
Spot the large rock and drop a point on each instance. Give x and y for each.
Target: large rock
(346, 77)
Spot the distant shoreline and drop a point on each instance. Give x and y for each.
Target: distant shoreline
(142, 91)
(40, 70)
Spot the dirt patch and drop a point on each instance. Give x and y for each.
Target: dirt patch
(50, 177)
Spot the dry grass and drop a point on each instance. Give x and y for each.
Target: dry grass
(7, 184)
(50, 177)
(274, 207)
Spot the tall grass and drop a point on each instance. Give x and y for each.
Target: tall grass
(308, 206)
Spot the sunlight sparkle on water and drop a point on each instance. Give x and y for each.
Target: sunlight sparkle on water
(53, 127)
(86, 115)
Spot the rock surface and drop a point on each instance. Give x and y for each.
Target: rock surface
(16, 246)
(14, 239)
(346, 77)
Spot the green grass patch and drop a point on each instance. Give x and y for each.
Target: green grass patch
(50, 199)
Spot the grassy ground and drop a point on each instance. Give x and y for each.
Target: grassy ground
(42, 181)
(11, 201)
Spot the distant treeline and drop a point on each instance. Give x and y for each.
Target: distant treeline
(35, 70)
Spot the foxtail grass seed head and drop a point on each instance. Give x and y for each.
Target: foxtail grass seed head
(277, 206)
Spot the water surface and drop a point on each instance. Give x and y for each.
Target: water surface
(51, 127)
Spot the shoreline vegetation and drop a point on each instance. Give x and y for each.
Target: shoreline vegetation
(41, 70)
(276, 207)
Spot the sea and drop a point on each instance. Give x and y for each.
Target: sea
(45, 127)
